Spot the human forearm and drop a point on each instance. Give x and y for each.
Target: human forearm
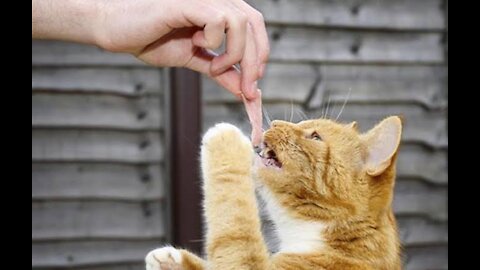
(70, 20)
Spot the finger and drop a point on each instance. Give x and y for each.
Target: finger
(249, 67)
(260, 33)
(213, 22)
(235, 46)
(261, 38)
(229, 79)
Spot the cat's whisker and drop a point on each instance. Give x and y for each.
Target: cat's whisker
(302, 114)
(344, 103)
(291, 111)
(299, 115)
(328, 105)
(265, 126)
(322, 116)
(267, 117)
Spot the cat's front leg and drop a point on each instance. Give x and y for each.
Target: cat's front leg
(170, 258)
(234, 239)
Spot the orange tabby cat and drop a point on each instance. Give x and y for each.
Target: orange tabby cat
(327, 188)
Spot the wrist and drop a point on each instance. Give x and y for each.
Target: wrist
(99, 13)
(104, 24)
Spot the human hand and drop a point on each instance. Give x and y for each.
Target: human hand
(182, 33)
(170, 33)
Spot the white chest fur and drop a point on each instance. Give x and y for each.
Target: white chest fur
(296, 236)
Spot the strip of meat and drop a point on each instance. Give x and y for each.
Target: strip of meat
(254, 112)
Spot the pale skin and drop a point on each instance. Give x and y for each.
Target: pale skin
(167, 33)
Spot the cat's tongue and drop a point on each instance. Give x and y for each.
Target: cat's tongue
(254, 111)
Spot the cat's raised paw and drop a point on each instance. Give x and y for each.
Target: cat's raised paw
(166, 258)
(226, 144)
(226, 136)
(222, 131)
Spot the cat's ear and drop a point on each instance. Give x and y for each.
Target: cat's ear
(382, 143)
(353, 125)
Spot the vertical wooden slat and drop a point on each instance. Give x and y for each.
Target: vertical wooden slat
(185, 128)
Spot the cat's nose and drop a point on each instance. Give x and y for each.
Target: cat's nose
(279, 123)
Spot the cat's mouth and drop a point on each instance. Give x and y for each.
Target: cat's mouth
(268, 156)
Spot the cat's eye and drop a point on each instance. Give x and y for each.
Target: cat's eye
(315, 136)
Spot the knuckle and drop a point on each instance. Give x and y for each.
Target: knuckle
(220, 18)
(265, 53)
(258, 16)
